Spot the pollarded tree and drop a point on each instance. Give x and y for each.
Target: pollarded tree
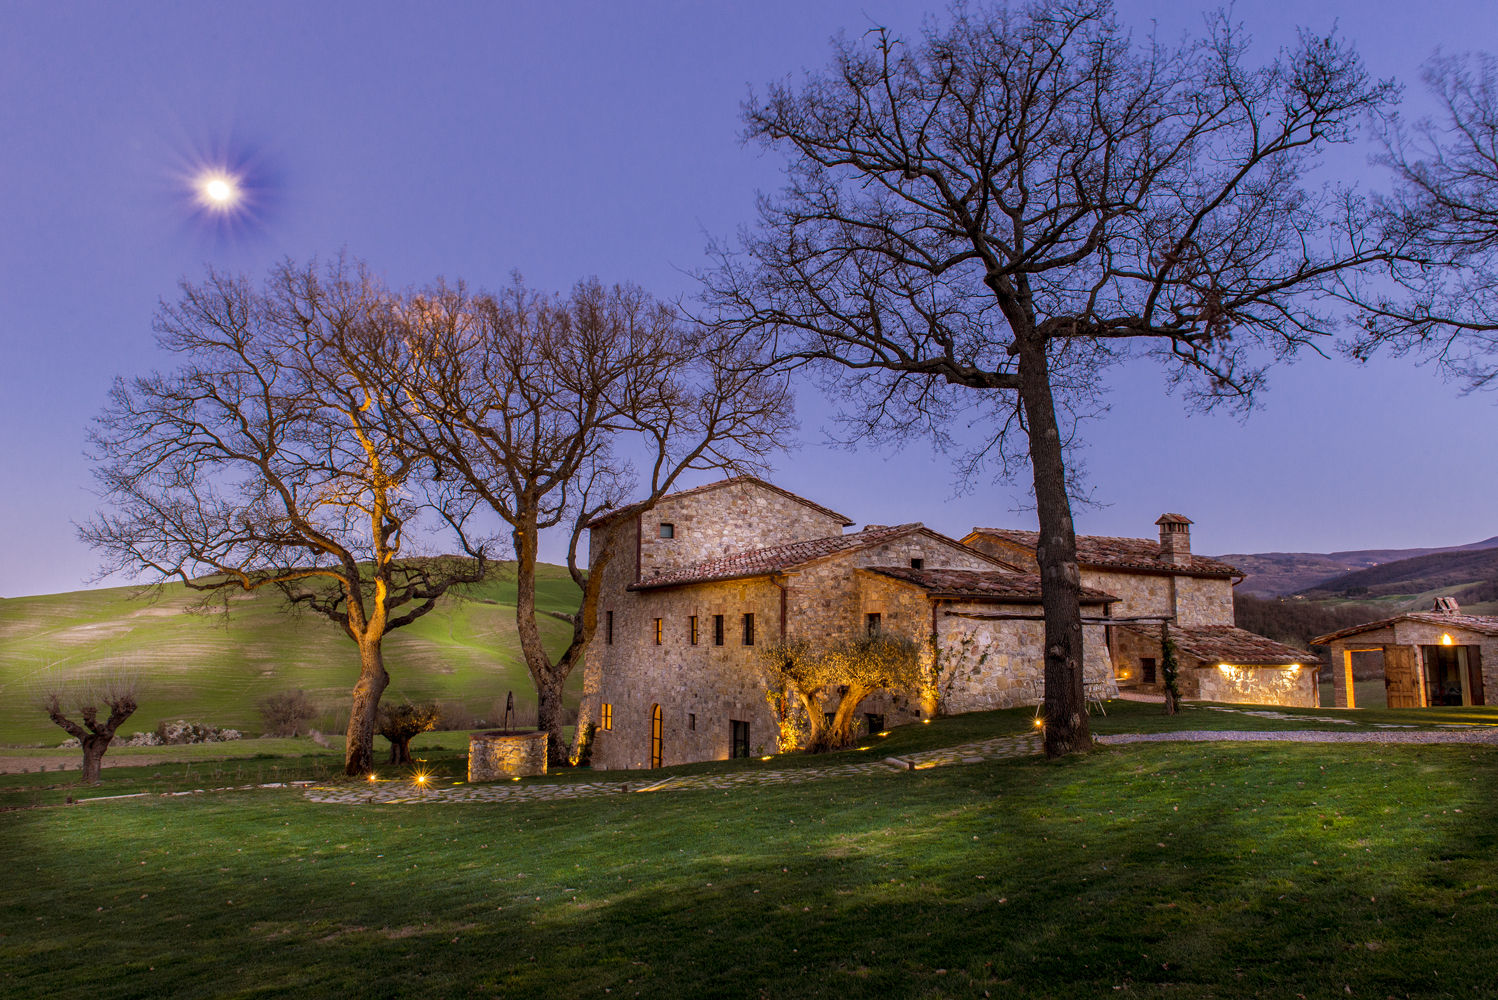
(805, 678)
(116, 695)
(400, 724)
(1442, 301)
(273, 457)
(533, 404)
(1019, 197)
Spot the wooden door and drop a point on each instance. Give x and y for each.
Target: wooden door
(1474, 675)
(1401, 677)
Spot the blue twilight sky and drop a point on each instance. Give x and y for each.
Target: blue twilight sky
(569, 139)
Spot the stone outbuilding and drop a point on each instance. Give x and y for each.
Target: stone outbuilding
(692, 587)
(1437, 657)
(1162, 586)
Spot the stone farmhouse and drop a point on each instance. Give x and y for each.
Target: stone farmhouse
(692, 587)
(1437, 657)
(1162, 584)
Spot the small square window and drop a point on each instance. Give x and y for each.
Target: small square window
(916, 562)
(606, 716)
(749, 629)
(668, 530)
(874, 721)
(717, 630)
(871, 622)
(658, 631)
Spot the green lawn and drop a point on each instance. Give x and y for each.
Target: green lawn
(1159, 870)
(214, 670)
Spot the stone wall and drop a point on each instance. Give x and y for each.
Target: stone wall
(731, 518)
(1202, 600)
(1293, 686)
(496, 755)
(988, 664)
(1192, 600)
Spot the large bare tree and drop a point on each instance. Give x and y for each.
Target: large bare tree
(274, 457)
(540, 406)
(1017, 197)
(1439, 297)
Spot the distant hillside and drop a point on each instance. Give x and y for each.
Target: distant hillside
(1296, 622)
(1470, 577)
(214, 670)
(1272, 574)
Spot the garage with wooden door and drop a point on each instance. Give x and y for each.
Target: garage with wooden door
(1430, 658)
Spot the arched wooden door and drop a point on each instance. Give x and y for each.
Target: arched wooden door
(655, 735)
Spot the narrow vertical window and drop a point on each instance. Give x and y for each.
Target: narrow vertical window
(657, 631)
(692, 721)
(717, 630)
(871, 622)
(668, 530)
(606, 716)
(655, 735)
(692, 629)
(749, 629)
(608, 628)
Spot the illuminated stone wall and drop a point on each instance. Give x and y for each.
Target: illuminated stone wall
(1251, 685)
(495, 755)
(989, 664)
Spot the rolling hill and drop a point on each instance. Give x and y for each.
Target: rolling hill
(214, 668)
(1273, 574)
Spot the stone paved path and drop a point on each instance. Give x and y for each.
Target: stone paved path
(998, 748)
(404, 792)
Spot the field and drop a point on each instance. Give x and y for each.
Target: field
(213, 669)
(1187, 870)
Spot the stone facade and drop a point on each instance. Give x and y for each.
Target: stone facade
(496, 755)
(1477, 635)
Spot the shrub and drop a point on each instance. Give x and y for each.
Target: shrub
(285, 712)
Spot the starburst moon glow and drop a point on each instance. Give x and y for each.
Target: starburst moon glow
(218, 190)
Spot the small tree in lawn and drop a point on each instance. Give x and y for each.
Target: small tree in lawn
(117, 697)
(285, 711)
(402, 723)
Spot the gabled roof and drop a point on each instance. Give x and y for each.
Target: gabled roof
(1106, 552)
(1481, 624)
(709, 487)
(1230, 644)
(779, 558)
(980, 585)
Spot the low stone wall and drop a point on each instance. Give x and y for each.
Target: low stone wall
(493, 755)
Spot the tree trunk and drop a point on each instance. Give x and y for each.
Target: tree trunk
(1065, 708)
(549, 718)
(94, 746)
(544, 673)
(400, 750)
(358, 756)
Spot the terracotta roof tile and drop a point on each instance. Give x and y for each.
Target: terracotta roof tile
(773, 559)
(1106, 552)
(1481, 624)
(980, 584)
(732, 480)
(1230, 644)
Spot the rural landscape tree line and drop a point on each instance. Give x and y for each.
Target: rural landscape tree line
(976, 224)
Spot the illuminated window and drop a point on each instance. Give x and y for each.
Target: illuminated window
(655, 736)
(917, 563)
(692, 629)
(608, 628)
(738, 734)
(657, 631)
(871, 622)
(606, 716)
(749, 630)
(717, 630)
(668, 530)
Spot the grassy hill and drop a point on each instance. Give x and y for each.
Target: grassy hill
(214, 668)
(1271, 574)
(1470, 577)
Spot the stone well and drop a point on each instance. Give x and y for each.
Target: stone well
(499, 754)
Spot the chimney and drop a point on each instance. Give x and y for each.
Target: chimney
(1175, 539)
(1446, 606)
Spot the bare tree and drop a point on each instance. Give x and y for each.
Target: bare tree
(274, 457)
(1439, 297)
(1017, 198)
(535, 404)
(115, 695)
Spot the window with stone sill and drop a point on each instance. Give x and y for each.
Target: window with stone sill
(667, 530)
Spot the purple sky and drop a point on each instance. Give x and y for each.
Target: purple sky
(575, 139)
